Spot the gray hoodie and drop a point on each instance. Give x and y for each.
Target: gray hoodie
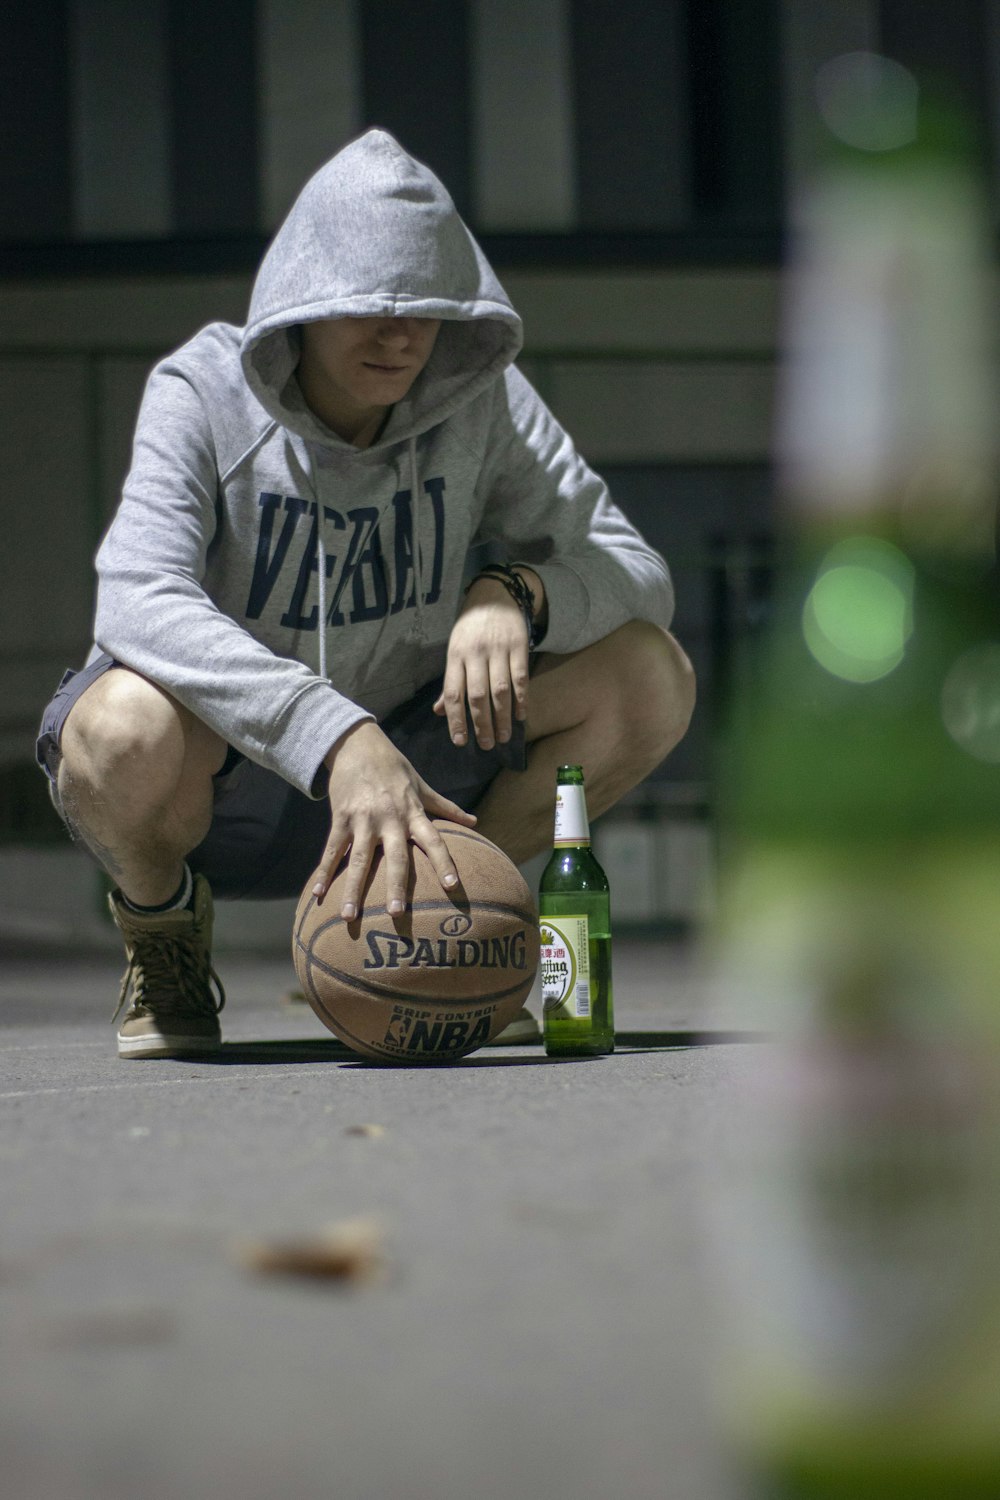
(285, 585)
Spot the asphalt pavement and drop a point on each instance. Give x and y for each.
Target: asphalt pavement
(289, 1273)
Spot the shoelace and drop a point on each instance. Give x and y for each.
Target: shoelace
(163, 962)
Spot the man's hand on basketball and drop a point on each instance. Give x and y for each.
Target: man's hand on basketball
(487, 666)
(377, 798)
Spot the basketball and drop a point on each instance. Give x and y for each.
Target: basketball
(439, 979)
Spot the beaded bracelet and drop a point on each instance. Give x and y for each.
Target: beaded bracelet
(518, 591)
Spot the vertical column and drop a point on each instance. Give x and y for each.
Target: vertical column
(121, 164)
(522, 106)
(416, 83)
(213, 120)
(810, 36)
(34, 121)
(309, 93)
(948, 42)
(992, 65)
(735, 113)
(631, 102)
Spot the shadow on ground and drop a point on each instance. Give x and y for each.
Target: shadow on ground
(321, 1049)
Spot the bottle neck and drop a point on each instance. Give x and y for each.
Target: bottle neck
(572, 830)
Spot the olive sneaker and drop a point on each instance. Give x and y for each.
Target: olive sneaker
(172, 1011)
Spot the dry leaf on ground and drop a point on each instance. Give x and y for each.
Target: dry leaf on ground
(349, 1251)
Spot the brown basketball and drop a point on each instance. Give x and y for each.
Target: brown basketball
(437, 981)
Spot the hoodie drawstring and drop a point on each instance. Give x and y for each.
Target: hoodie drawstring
(321, 569)
(417, 630)
(320, 559)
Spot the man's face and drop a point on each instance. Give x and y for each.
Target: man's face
(352, 368)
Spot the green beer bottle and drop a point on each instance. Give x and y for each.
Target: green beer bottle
(861, 835)
(574, 906)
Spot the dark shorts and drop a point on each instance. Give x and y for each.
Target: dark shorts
(267, 836)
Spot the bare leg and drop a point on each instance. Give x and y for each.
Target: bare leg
(617, 708)
(136, 782)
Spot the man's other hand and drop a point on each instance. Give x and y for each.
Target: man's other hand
(377, 799)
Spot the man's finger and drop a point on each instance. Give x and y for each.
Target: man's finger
(500, 693)
(354, 882)
(396, 853)
(427, 838)
(453, 700)
(477, 691)
(436, 806)
(336, 847)
(520, 676)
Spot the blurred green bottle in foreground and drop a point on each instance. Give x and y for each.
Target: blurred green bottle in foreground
(574, 906)
(860, 831)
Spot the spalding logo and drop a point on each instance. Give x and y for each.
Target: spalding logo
(455, 926)
(391, 950)
(418, 1032)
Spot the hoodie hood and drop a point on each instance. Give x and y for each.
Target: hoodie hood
(375, 234)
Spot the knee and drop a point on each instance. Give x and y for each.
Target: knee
(120, 726)
(655, 690)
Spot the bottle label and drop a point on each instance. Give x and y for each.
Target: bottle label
(572, 827)
(565, 966)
